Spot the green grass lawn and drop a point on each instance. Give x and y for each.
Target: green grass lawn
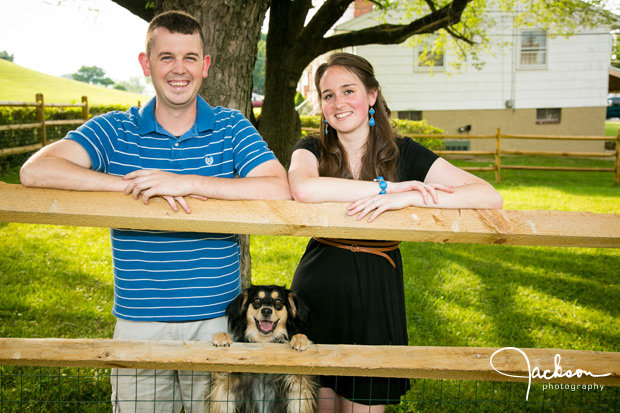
(611, 128)
(20, 84)
(57, 282)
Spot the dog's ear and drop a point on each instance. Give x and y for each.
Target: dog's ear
(237, 307)
(299, 310)
(236, 312)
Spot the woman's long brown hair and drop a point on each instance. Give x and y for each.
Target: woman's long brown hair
(381, 153)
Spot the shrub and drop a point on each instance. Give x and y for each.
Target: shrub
(28, 114)
(403, 127)
(411, 127)
(309, 121)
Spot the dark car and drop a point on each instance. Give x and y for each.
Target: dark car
(613, 108)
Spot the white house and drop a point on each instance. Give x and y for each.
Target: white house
(538, 84)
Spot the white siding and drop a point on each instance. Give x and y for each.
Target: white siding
(576, 75)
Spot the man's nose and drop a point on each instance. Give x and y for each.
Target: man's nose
(179, 66)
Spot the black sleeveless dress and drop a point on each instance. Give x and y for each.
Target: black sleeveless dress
(358, 298)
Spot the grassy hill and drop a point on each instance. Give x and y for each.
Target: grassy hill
(19, 84)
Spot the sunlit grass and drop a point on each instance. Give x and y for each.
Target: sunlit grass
(57, 282)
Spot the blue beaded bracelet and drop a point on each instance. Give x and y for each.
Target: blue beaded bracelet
(382, 185)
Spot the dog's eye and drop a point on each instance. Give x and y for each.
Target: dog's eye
(256, 302)
(278, 304)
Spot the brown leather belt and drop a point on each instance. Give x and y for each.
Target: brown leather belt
(371, 247)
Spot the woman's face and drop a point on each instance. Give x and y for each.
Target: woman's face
(345, 102)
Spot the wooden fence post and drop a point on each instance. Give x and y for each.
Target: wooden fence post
(85, 108)
(497, 157)
(41, 117)
(617, 171)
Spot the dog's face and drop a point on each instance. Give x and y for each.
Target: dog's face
(266, 314)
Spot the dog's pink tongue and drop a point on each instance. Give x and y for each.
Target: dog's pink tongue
(266, 326)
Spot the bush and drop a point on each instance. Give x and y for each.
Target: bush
(309, 121)
(28, 114)
(403, 127)
(411, 127)
(299, 98)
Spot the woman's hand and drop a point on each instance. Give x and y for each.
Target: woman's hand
(397, 200)
(424, 188)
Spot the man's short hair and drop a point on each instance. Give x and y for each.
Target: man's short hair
(174, 21)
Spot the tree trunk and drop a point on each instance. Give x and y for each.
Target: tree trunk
(279, 122)
(232, 30)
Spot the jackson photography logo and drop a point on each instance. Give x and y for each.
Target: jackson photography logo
(536, 373)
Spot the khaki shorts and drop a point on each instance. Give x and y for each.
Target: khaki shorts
(142, 390)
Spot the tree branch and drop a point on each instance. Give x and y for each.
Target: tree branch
(395, 33)
(459, 36)
(323, 20)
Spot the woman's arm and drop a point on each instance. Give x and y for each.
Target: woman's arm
(307, 186)
(469, 191)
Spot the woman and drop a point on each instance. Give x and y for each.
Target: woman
(358, 298)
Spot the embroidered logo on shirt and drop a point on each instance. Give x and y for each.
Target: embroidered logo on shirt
(209, 160)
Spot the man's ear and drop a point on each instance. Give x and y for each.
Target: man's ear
(206, 62)
(145, 64)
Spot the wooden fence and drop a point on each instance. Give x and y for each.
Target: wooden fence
(41, 123)
(498, 152)
(47, 206)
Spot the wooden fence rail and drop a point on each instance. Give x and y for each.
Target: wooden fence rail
(576, 229)
(507, 227)
(450, 363)
(41, 123)
(498, 152)
(497, 166)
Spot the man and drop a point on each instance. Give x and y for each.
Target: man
(167, 285)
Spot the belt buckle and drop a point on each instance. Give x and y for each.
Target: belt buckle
(354, 248)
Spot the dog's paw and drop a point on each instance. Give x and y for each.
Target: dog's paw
(222, 340)
(300, 342)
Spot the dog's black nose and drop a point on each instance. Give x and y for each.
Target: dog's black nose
(266, 312)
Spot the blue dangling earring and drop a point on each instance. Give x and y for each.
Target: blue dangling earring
(371, 122)
(326, 126)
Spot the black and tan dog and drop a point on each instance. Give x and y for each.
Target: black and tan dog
(264, 314)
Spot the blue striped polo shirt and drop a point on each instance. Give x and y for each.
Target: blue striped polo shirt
(173, 276)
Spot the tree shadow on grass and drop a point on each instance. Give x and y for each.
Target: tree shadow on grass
(44, 294)
(533, 297)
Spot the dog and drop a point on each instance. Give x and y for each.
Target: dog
(264, 314)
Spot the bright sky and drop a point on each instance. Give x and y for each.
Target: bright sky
(57, 37)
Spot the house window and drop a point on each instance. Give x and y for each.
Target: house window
(410, 114)
(429, 55)
(533, 49)
(548, 116)
(456, 145)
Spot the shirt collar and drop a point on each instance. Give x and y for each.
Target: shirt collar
(205, 118)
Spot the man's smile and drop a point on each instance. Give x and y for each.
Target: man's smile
(178, 83)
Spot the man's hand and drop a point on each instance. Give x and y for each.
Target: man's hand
(151, 183)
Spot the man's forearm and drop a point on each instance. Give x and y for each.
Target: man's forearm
(59, 173)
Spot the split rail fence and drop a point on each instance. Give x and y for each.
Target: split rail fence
(41, 123)
(507, 227)
(498, 152)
